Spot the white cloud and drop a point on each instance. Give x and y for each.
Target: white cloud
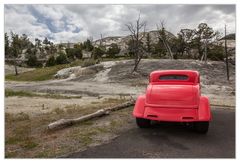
(23, 22)
(75, 23)
(69, 36)
(50, 11)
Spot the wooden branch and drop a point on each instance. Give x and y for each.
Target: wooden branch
(131, 28)
(68, 122)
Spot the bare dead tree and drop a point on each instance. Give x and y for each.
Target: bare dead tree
(101, 45)
(204, 56)
(137, 34)
(101, 40)
(163, 37)
(90, 38)
(226, 53)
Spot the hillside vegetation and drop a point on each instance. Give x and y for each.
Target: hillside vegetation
(202, 43)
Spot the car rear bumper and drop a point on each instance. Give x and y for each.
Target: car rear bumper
(170, 114)
(173, 114)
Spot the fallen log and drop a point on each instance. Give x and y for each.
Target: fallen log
(68, 122)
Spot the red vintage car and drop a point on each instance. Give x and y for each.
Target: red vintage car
(173, 96)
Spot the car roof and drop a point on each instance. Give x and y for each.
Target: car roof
(192, 75)
(174, 71)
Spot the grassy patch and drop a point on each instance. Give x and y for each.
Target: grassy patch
(29, 144)
(21, 131)
(86, 140)
(17, 117)
(11, 140)
(113, 123)
(9, 93)
(58, 96)
(38, 74)
(85, 134)
(29, 137)
(102, 130)
(116, 59)
(43, 154)
(11, 154)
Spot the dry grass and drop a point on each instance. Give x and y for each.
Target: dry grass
(9, 93)
(27, 137)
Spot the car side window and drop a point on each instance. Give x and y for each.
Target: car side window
(173, 77)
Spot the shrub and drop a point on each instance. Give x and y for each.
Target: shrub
(113, 50)
(70, 53)
(74, 52)
(97, 52)
(61, 59)
(33, 62)
(216, 53)
(51, 61)
(78, 53)
(87, 45)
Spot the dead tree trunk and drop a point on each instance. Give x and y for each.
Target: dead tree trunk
(101, 40)
(137, 61)
(226, 53)
(68, 122)
(15, 67)
(101, 45)
(168, 48)
(204, 55)
(205, 51)
(162, 37)
(137, 40)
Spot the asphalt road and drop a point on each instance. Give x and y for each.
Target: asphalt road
(170, 140)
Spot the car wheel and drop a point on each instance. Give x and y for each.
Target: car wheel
(201, 127)
(143, 123)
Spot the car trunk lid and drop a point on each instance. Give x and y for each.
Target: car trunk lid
(175, 96)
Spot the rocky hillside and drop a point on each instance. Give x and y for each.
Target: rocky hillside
(122, 41)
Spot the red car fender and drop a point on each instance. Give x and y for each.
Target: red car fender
(139, 107)
(204, 111)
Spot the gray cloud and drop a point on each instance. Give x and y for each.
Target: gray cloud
(75, 23)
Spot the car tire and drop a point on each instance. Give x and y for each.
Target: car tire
(143, 123)
(201, 127)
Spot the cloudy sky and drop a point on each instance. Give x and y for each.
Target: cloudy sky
(74, 23)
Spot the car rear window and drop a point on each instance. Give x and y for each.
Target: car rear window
(173, 77)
